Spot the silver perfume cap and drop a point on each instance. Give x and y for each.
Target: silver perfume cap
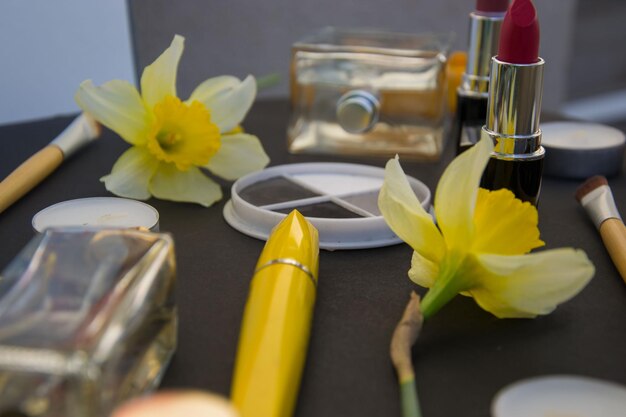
(357, 111)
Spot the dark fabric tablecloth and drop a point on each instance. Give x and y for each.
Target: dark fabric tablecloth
(464, 355)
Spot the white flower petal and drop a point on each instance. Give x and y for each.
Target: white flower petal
(131, 174)
(192, 186)
(118, 106)
(159, 78)
(423, 271)
(209, 89)
(405, 215)
(529, 285)
(239, 155)
(229, 106)
(455, 199)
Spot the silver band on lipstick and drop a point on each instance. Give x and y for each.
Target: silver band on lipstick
(291, 262)
(527, 147)
(484, 37)
(512, 120)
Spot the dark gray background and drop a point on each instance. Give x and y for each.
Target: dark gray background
(250, 36)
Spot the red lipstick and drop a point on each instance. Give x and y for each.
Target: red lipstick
(492, 6)
(484, 35)
(519, 36)
(514, 106)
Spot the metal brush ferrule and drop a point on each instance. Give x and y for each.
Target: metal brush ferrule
(484, 37)
(81, 131)
(600, 205)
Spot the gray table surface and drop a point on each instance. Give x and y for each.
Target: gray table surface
(464, 355)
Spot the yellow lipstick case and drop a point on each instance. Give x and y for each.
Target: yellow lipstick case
(277, 321)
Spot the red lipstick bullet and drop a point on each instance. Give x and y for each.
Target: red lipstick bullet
(492, 6)
(519, 36)
(514, 106)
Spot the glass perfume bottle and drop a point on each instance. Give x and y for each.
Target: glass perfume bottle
(369, 93)
(87, 320)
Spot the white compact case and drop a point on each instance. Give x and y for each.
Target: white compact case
(340, 200)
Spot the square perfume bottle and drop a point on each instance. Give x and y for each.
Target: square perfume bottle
(364, 92)
(87, 320)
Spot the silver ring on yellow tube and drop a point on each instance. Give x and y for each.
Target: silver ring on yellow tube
(289, 261)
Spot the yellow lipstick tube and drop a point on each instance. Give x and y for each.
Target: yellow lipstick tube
(277, 321)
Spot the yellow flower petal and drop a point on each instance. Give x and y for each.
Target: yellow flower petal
(235, 130)
(455, 199)
(159, 78)
(504, 224)
(405, 215)
(239, 155)
(423, 271)
(209, 89)
(529, 285)
(183, 134)
(192, 186)
(131, 174)
(230, 106)
(118, 106)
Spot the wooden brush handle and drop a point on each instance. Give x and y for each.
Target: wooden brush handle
(613, 234)
(25, 177)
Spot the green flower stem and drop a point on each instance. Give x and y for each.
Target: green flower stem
(404, 336)
(408, 398)
(444, 290)
(267, 81)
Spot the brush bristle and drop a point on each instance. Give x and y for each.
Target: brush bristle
(590, 185)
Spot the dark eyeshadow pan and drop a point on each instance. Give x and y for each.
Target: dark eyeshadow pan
(326, 209)
(274, 190)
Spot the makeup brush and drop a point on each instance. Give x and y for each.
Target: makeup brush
(596, 197)
(31, 172)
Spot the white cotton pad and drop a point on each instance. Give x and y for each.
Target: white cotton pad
(98, 212)
(561, 396)
(580, 150)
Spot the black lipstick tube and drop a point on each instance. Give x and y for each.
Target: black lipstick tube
(513, 111)
(473, 93)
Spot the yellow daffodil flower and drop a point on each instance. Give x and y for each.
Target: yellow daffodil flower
(173, 139)
(480, 246)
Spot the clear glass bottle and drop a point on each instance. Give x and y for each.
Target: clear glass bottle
(87, 320)
(369, 93)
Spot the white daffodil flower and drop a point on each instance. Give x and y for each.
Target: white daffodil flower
(173, 139)
(480, 247)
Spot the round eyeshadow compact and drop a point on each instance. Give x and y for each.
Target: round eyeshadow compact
(340, 200)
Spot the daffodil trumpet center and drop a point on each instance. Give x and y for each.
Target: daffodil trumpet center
(168, 139)
(183, 134)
